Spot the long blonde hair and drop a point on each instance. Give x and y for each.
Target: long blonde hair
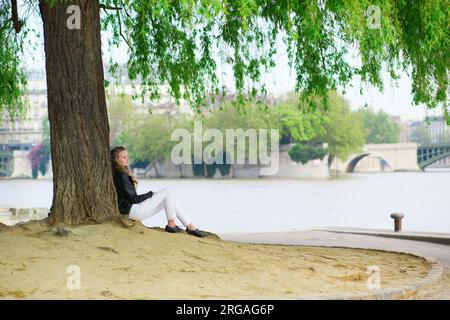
(116, 167)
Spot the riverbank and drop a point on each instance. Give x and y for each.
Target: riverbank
(146, 263)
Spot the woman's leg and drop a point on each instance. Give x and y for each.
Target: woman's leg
(181, 214)
(162, 199)
(150, 207)
(170, 202)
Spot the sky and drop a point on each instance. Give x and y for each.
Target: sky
(396, 99)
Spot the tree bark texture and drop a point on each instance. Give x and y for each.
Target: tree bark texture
(82, 179)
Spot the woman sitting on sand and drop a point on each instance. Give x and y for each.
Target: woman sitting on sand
(143, 206)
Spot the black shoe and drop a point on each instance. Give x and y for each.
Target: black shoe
(196, 233)
(175, 229)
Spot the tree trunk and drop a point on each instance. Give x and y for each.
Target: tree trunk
(180, 168)
(82, 179)
(156, 168)
(330, 159)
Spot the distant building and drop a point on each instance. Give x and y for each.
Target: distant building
(121, 84)
(433, 130)
(439, 130)
(22, 134)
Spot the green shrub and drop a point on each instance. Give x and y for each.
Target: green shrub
(305, 152)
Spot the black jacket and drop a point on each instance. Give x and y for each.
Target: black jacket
(126, 192)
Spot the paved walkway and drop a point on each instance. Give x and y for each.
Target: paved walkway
(439, 238)
(340, 238)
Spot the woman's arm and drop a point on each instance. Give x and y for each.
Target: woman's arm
(129, 190)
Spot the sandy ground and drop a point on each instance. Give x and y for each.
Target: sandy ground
(141, 263)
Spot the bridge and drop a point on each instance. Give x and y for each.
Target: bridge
(429, 154)
(396, 156)
(6, 163)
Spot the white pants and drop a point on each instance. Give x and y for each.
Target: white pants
(160, 200)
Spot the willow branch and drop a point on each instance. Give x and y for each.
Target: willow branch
(105, 7)
(15, 17)
(120, 31)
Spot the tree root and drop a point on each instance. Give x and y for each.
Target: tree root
(60, 231)
(126, 222)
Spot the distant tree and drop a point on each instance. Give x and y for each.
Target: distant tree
(248, 116)
(149, 139)
(121, 115)
(334, 124)
(379, 127)
(39, 157)
(343, 129)
(296, 122)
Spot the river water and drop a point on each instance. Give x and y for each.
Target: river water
(263, 205)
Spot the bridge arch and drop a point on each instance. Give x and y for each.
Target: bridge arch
(353, 163)
(425, 163)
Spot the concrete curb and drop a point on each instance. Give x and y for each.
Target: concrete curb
(400, 293)
(439, 239)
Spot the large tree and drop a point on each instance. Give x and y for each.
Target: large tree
(343, 129)
(178, 42)
(379, 127)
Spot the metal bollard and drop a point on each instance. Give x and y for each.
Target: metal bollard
(397, 221)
